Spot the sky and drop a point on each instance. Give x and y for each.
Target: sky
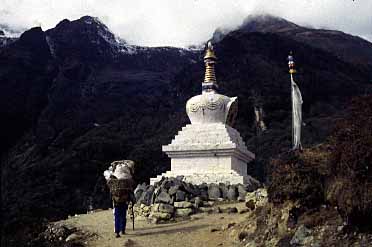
(186, 22)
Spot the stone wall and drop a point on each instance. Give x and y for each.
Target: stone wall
(171, 197)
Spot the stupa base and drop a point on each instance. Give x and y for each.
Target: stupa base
(209, 178)
(208, 153)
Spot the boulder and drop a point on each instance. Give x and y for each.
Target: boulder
(166, 208)
(217, 210)
(203, 186)
(243, 235)
(145, 208)
(196, 191)
(180, 196)
(139, 190)
(232, 193)
(198, 202)
(129, 242)
(252, 184)
(175, 181)
(224, 189)
(138, 195)
(231, 224)
(170, 182)
(205, 210)
(183, 204)
(160, 216)
(189, 188)
(208, 204)
(240, 199)
(183, 212)
(73, 237)
(203, 194)
(173, 190)
(302, 236)
(163, 197)
(243, 210)
(214, 192)
(56, 231)
(242, 190)
(158, 184)
(261, 193)
(166, 184)
(256, 198)
(146, 197)
(231, 210)
(155, 207)
(250, 204)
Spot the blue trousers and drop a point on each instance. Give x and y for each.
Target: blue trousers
(120, 217)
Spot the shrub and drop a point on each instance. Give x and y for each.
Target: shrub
(350, 184)
(298, 177)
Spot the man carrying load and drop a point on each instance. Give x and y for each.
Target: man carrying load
(120, 181)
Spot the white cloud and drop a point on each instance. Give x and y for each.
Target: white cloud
(186, 22)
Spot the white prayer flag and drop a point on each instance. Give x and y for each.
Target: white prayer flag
(296, 115)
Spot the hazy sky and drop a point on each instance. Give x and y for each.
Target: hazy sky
(186, 22)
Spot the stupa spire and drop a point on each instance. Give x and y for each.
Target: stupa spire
(210, 82)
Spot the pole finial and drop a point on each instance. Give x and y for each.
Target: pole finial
(291, 63)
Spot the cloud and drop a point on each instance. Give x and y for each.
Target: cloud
(186, 22)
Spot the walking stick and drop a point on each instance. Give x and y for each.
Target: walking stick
(132, 217)
(133, 210)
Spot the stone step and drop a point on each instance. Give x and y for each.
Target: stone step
(198, 147)
(208, 134)
(232, 178)
(204, 145)
(204, 133)
(205, 139)
(210, 140)
(206, 126)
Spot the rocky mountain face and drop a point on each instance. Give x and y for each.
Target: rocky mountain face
(75, 98)
(7, 35)
(344, 46)
(4, 40)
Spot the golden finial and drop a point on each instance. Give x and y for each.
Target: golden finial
(209, 54)
(210, 82)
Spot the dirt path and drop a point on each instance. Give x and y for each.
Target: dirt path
(194, 232)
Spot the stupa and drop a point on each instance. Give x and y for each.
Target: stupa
(209, 150)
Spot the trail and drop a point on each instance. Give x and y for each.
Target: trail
(195, 232)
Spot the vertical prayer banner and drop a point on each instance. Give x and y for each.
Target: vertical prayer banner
(296, 106)
(296, 115)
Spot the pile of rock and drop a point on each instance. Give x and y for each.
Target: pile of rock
(141, 211)
(256, 198)
(60, 235)
(172, 197)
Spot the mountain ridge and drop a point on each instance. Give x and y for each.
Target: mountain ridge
(339, 43)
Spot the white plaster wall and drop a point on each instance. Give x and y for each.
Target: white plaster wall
(190, 165)
(239, 166)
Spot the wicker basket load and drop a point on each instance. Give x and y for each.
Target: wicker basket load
(120, 189)
(120, 181)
